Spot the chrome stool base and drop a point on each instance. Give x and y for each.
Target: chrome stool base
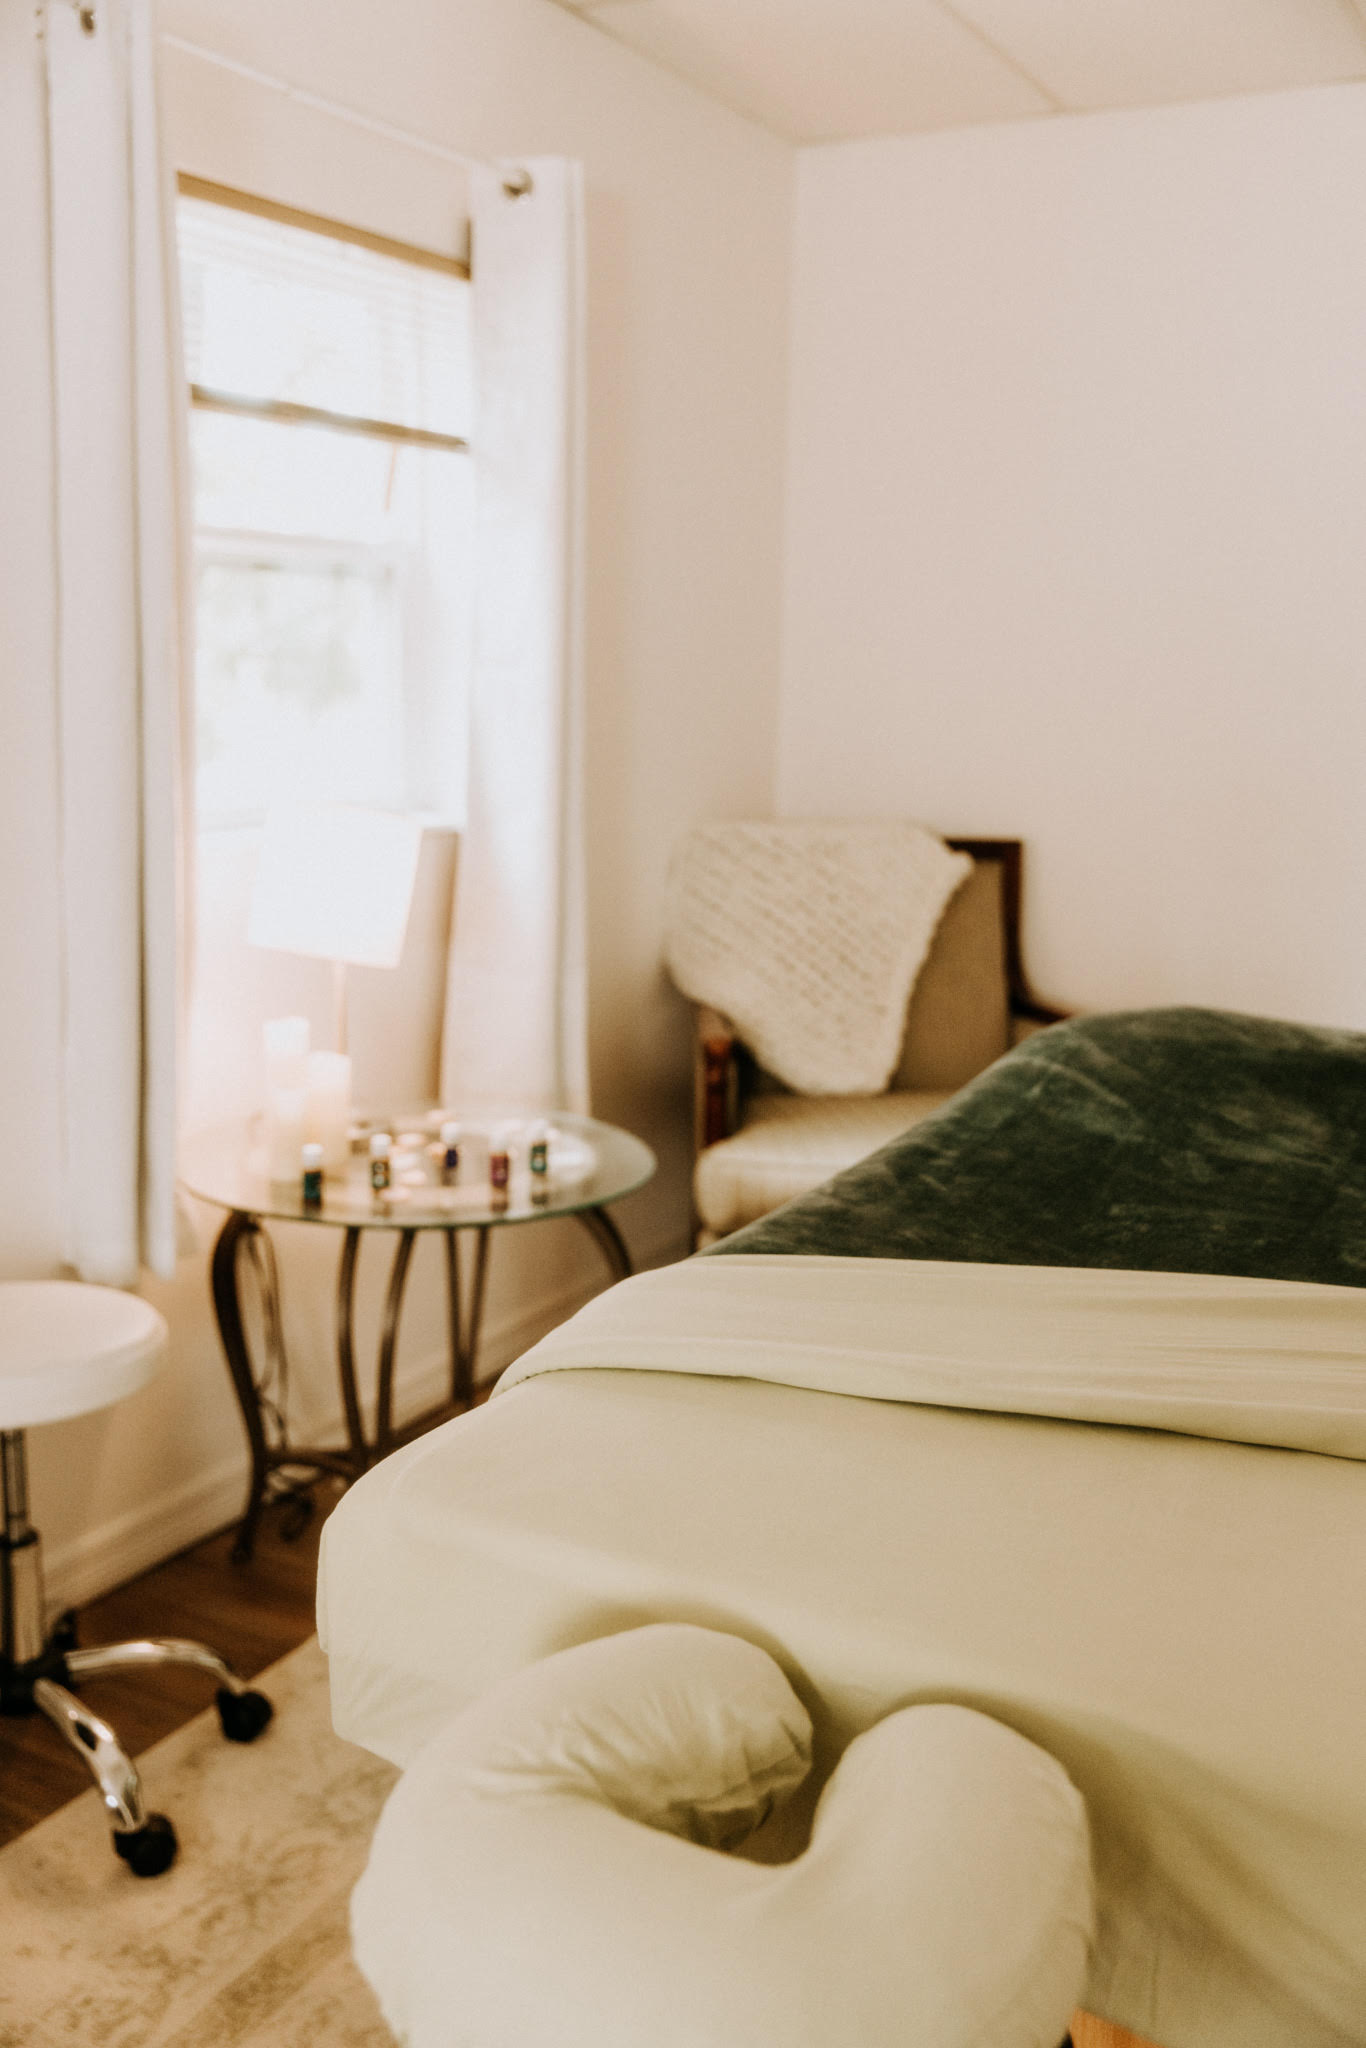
(35, 1671)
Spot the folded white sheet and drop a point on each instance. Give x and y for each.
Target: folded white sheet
(1247, 1361)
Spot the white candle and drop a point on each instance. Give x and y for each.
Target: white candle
(286, 1048)
(285, 1133)
(328, 1117)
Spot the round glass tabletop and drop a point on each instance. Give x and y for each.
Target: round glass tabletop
(589, 1163)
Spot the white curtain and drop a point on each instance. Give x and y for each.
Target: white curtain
(516, 1013)
(122, 621)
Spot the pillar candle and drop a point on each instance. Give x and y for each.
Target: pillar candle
(328, 1116)
(285, 1133)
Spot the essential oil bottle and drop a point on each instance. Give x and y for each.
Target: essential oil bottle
(500, 1164)
(538, 1159)
(381, 1144)
(312, 1176)
(450, 1155)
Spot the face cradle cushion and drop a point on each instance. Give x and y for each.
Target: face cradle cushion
(549, 1872)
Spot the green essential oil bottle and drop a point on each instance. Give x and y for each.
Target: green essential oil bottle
(313, 1176)
(538, 1159)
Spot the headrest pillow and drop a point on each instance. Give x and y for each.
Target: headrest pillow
(540, 1877)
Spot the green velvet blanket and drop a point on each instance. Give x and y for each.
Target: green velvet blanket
(1180, 1140)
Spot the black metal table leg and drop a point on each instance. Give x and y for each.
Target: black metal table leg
(227, 1305)
(393, 1309)
(461, 1385)
(242, 1232)
(346, 1345)
(477, 1290)
(463, 1320)
(608, 1239)
(463, 1323)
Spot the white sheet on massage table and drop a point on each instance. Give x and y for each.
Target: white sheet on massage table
(1181, 1622)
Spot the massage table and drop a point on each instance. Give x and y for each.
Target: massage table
(1179, 1617)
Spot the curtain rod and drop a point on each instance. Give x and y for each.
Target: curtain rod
(517, 183)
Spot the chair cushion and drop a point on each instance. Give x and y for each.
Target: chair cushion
(513, 1899)
(791, 1143)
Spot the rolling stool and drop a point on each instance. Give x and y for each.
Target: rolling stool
(67, 1348)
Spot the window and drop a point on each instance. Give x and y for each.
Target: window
(330, 386)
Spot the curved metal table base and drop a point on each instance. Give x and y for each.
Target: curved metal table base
(262, 1394)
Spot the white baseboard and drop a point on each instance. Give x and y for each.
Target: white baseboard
(127, 1544)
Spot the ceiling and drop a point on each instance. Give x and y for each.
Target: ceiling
(832, 70)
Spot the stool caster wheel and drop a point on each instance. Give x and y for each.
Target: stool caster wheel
(243, 1714)
(150, 1849)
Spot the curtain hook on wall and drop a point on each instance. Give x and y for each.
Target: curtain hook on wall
(85, 15)
(519, 184)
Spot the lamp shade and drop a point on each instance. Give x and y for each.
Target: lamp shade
(335, 882)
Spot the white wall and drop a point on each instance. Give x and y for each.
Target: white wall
(1077, 531)
(688, 218)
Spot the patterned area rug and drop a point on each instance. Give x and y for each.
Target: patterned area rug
(243, 1943)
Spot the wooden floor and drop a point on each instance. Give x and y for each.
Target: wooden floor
(251, 1614)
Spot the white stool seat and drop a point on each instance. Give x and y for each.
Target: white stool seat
(67, 1347)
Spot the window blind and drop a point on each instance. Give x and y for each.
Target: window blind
(277, 315)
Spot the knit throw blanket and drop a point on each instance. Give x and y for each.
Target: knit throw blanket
(808, 936)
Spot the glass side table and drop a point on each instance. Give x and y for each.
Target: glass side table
(590, 1165)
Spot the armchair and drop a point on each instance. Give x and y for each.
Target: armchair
(758, 1144)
